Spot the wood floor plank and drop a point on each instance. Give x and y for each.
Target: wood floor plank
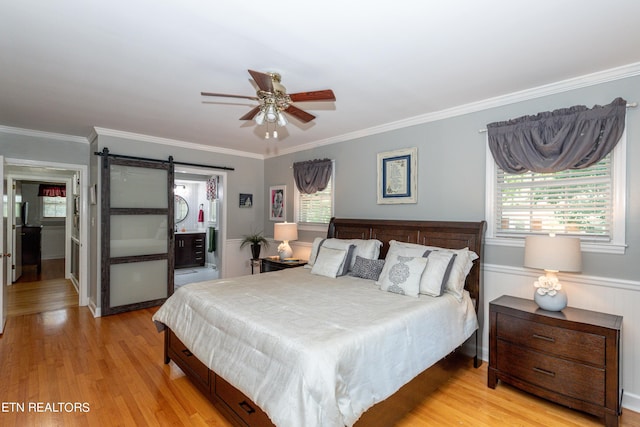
(115, 366)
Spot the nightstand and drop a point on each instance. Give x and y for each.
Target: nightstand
(571, 357)
(274, 264)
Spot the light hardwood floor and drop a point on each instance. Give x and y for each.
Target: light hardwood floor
(63, 367)
(37, 292)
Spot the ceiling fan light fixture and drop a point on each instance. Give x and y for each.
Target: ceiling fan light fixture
(260, 117)
(271, 114)
(282, 120)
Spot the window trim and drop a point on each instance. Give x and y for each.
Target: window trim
(308, 226)
(617, 245)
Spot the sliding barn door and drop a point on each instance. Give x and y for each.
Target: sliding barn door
(137, 234)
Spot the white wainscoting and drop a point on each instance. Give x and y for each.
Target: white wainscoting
(620, 297)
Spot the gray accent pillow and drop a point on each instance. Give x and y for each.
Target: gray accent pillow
(367, 268)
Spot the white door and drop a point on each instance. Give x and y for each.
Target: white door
(3, 246)
(16, 238)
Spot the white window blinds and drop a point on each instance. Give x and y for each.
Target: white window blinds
(316, 208)
(573, 201)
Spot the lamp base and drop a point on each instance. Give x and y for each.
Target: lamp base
(551, 303)
(284, 250)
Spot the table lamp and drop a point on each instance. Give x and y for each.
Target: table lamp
(552, 254)
(285, 231)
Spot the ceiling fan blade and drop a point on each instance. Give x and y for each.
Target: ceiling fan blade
(251, 114)
(224, 95)
(301, 115)
(263, 80)
(318, 95)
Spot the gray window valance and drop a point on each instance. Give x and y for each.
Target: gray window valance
(568, 138)
(312, 176)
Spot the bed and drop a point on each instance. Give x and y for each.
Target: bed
(300, 347)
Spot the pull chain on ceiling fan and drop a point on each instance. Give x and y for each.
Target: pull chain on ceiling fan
(273, 101)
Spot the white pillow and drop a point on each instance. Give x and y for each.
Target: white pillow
(435, 276)
(365, 248)
(328, 262)
(403, 275)
(459, 270)
(317, 242)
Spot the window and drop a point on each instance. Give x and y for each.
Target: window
(54, 207)
(588, 203)
(314, 211)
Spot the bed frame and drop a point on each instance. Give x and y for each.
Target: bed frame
(242, 412)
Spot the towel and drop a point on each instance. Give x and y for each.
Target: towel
(212, 239)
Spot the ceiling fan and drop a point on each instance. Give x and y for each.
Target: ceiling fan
(273, 100)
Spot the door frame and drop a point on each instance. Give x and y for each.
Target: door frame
(222, 208)
(3, 245)
(83, 171)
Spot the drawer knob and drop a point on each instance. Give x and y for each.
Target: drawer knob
(187, 352)
(543, 338)
(246, 407)
(544, 371)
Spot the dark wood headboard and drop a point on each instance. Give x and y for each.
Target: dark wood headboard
(445, 234)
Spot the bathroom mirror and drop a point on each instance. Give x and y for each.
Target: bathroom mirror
(181, 209)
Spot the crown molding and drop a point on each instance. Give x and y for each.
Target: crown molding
(40, 134)
(98, 131)
(613, 74)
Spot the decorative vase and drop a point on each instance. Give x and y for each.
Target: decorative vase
(255, 250)
(551, 302)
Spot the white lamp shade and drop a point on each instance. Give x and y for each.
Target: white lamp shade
(285, 231)
(553, 253)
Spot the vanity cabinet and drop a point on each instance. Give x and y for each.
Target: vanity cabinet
(189, 250)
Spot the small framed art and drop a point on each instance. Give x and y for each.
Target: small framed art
(397, 176)
(277, 203)
(246, 200)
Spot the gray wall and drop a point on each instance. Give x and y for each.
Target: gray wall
(451, 173)
(45, 148)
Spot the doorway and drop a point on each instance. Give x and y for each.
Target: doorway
(49, 249)
(199, 225)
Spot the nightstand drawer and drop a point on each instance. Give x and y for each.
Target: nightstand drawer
(558, 375)
(581, 346)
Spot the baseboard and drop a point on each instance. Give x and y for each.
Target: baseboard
(631, 402)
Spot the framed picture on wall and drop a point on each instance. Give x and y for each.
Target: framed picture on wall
(277, 203)
(246, 200)
(397, 176)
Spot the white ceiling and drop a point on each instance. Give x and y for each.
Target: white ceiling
(139, 66)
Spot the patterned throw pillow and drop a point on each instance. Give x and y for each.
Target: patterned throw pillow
(403, 275)
(367, 268)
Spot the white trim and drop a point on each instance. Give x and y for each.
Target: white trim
(41, 134)
(171, 142)
(221, 224)
(613, 74)
(83, 291)
(606, 282)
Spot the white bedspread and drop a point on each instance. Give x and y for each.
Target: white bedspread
(313, 351)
